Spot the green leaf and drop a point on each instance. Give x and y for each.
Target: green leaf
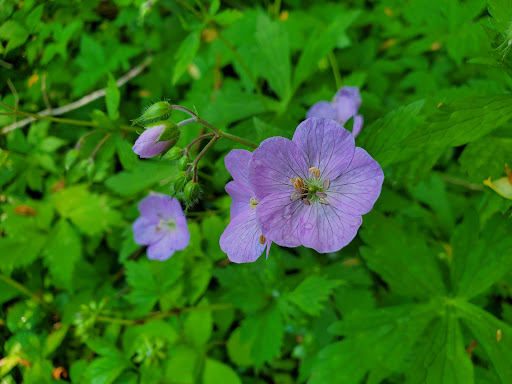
(376, 341)
(88, 211)
(486, 158)
(140, 338)
(185, 54)
(311, 292)
(145, 290)
(239, 353)
(391, 247)
(198, 326)
(480, 257)
(215, 372)
(62, 251)
(182, 365)
(320, 44)
(265, 331)
(112, 97)
(21, 249)
(104, 370)
(272, 39)
(15, 34)
(485, 328)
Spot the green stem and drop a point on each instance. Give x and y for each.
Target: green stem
(202, 153)
(24, 290)
(335, 70)
(240, 140)
(163, 315)
(189, 147)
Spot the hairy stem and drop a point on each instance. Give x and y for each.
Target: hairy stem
(202, 153)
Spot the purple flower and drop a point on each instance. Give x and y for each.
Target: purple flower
(162, 226)
(345, 105)
(313, 190)
(147, 146)
(242, 240)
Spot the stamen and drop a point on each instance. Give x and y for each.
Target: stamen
(306, 201)
(298, 184)
(295, 196)
(292, 180)
(262, 240)
(325, 202)
(253, 203)
(327, 183)
(321, 194)
(315, 171)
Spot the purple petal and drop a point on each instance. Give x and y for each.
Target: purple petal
(322, 109)
(241, 197)
(357, 126)
(173, 241)
(325, 230)
(357, 189)
(326, 145)
(241, 239)
(347, 102)
(146, 231)
(237, 164)
(146, 145)
(280, 219)
(273, 164)
(158, 206)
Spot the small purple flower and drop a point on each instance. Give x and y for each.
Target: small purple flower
(345, 105)
(162, 226)
(313, 190)
(242, 240)
(147, 146)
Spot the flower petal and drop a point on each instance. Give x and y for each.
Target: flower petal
(237, 164)
(273, 163)
(356, 190)
(347, 102)
(158, 206)
(322, 109)
(326, 145)
(241, 197)
(357, 127)
(241, 239)
(146, 145)
(171, 242)
(146, 231)
(326, 230)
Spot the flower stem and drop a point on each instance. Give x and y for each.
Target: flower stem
(163, 315)
(202, 153)
(24, 290)
(335, 70)
(240, 140)
(197, 140)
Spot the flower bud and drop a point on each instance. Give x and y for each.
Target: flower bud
(192, 191)
(180, 181)
(174, 153)
(155, 111)
(170, 132)
(150, 143)
(184, 163)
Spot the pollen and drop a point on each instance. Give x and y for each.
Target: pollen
(315, 172)
(253, 203)
(262, 240)
(298, 184)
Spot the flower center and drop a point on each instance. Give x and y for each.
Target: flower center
(163, 224)
(253, 203)
(312, 189)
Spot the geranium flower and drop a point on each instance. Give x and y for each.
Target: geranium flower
(345, 105)
(146, 145)
(162, 226)
(314, 189)
(242, 240)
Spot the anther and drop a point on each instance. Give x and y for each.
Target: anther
(325, 202)
(306, 201)
(315, 171)
(295, 196)
(298, 184)
(262, 240)
(321, 194)
(253, 203)
(327, 183)
(292, 180)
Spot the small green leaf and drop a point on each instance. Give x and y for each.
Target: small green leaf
(198, 326)
(185, 54)
(112, 97)
(311, 292)
(15, 34)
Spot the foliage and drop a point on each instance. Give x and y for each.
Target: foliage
(421, 295)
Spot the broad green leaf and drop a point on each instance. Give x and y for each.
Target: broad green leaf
(182, 366)
(145, 290)
(486, 329)
(390, 248)
(15, 34)
(112, 97)
(21, 249)
(320, 44)
(63, 249)
(376, 341)
(185, 54)
(198, 326)
(265, 331)
(239, 353)
(311, 292)
(274, 50)
(104, 370)
(486, 158)
(216, 371)
(480, 257)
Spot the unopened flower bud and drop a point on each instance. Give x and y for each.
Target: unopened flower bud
(174, 153)
(192, 192)
(184, 163)
(171, 131)
(155, 111)
(180, 181)
(150, 142)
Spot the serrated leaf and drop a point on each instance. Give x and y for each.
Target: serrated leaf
(486, 158)
(112, 97)
(145, 290)
(311, 292)
(480, 257)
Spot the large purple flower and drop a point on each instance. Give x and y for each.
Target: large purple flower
(146, 145)
(162, 226)
(313, 190)
(242, 240)
(345, 105)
